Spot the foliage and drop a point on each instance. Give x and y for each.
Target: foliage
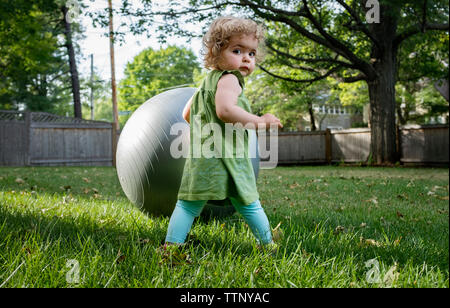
(27, 46)
(319, 37)
(419, 102)
(352, 94)
(424, 56)
(152, 72)
(33, 62)
(287, 101)
(102, 98)
(422, 61)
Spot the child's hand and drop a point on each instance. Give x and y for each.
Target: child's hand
(269, 119)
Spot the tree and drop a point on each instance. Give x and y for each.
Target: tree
(29, 58)
(33, 66)
(153, 71)
(347, 40)
(67, 23)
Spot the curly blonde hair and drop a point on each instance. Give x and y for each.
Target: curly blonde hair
(220, 32)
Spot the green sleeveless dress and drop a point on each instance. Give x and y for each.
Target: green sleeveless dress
(228, 173)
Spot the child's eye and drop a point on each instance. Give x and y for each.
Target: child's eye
(252, 54)
(237, 51)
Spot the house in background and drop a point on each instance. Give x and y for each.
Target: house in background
(334, 117)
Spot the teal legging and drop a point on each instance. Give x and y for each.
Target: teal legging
(185, 212)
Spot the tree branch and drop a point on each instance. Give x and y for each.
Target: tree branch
(424, 15)
(272, 9)
(173, 13)
(331, 71)
(309, 60)
(360, 25)
(343, 50)
(352, 79)
(299, 67)
(417, 28)
(291, 23)
(275, 14)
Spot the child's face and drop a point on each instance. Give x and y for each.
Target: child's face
(240, 54)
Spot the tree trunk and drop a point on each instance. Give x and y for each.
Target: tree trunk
(382, 91)
(382, 118)
(311, 117)
(73, 65)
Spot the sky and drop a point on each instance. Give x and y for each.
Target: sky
(97, 43)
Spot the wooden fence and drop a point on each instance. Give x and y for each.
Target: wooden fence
(43, 139)
(424, 145)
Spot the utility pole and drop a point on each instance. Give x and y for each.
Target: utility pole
(92, 86)
(113, 84)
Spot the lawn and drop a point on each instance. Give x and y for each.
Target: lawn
(341, 227)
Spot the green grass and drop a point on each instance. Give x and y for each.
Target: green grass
(339, 224)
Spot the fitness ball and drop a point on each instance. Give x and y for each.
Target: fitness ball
(149, 175)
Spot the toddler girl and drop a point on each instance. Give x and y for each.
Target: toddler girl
(231, 50)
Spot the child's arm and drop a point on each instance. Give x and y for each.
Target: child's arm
(187, 110)
(228, 90)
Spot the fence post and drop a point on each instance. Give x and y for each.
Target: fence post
(328, 145)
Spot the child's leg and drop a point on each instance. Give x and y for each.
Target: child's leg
(256, 218)
(181, 220)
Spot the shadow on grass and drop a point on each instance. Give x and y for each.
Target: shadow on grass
(74, 231)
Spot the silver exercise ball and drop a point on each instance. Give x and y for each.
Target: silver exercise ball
(149, 175)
